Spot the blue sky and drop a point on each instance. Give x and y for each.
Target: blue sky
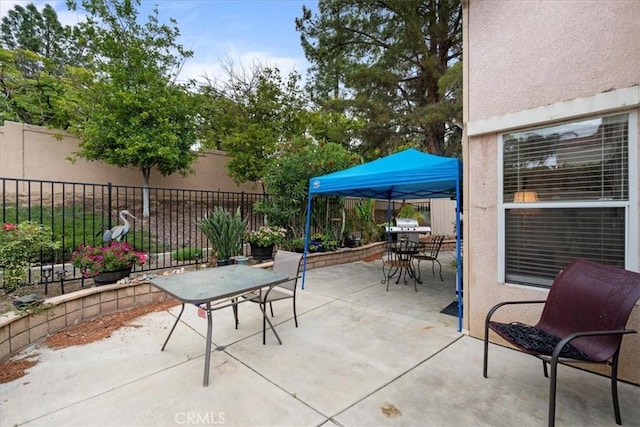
(241, 31)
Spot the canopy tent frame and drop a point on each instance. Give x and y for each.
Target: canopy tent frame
(406, 175)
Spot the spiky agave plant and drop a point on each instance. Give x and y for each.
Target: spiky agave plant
(224, 231)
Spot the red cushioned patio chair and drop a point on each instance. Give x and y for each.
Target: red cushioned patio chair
(583, 320)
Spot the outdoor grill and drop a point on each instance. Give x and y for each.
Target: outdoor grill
(407, 228)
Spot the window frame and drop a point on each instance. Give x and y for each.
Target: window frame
(630, 205)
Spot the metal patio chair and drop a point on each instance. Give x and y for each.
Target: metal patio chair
(397, 260)
(583, 320)
(283, 262)
(430, 253)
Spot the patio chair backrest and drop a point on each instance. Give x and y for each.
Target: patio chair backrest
(288, 263)
(436, 245)
(588, 296)
(404, 250)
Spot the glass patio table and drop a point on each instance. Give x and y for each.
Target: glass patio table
(216, 288)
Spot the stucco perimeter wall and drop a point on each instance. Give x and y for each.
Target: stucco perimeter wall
(524, 54)
(38, 153)
(18, 331)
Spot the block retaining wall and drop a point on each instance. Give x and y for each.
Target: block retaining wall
(19, 330)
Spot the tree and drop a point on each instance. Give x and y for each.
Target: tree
(35, 53)
(41, 33)
(287, 177)
(249, 114)
(30, 90)
(254, 111)
(391, 63)
(130, 110)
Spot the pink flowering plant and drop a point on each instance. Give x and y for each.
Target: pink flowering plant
(114, 256)
(265, 236)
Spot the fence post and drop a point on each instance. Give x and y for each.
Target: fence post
(109, 204)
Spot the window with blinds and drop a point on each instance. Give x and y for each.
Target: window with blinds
(565, 194)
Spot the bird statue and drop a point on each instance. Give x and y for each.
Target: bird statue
(119, 231)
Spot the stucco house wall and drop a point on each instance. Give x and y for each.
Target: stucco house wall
(528, 64)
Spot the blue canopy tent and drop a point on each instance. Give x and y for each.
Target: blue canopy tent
(409, 174)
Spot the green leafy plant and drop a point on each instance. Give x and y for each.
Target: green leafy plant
(112, 257)
(294, 245)
(20, 244)
(224, 231)
(287, 180)
(186, 254)
(265, 236)
(364, 217)
(330, 245)
(410, 211)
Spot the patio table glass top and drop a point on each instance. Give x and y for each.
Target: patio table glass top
(216, 283)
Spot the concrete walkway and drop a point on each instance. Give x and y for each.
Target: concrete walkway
(360, 357)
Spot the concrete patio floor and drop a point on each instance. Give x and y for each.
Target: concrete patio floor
(361, 356)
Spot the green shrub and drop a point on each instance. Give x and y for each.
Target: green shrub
(293, 245)
(20, 245)
(186, 254)
(224, 231)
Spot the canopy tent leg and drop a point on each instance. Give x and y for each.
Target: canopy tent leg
(307, 226)
(458, 257)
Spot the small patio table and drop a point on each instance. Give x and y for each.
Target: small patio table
(406, 254)
(216, 288)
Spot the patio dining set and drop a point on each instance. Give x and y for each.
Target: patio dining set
(404, 255)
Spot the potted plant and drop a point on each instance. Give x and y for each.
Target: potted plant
(263, 240)
(224, 231)
(108, 263)
(294, 245)
(20, 244)
(316, 244)
(351, 240)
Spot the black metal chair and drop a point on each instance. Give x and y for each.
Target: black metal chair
(397, 259)
(283, 262)
(583, 320)
(430, 253)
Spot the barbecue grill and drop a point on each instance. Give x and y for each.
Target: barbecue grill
(407, 228)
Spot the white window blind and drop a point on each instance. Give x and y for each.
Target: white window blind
(565, 189)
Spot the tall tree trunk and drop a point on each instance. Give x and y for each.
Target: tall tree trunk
(145, 192)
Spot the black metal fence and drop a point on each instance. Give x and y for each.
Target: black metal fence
(79, 213)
